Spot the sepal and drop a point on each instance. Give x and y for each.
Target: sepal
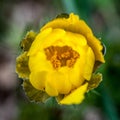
(63, 15)
(94, 81)
(27, 41)
(33, 94)
(22, 66)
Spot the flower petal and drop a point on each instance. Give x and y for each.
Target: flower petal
(38, 79)
(76, 96)
(60, 81)
(73, 24)
(38, 62)
(97, 47)
(45, 39)
(88, 68)
(38, 41)
(74, 40)
(50, 88)
(54, 38)
(76, 73)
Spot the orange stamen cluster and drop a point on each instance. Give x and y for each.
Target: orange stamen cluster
(61, 56)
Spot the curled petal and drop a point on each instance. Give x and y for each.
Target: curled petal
(97, 47)
(73, 24)
(76, 96)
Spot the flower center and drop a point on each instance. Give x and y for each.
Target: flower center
(61, 56)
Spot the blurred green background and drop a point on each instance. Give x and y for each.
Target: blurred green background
(19, 16)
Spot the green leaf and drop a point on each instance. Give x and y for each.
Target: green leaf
(94, 81)
(27, 41)
(33, 94)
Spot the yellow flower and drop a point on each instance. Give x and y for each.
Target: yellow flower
(62, 58)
